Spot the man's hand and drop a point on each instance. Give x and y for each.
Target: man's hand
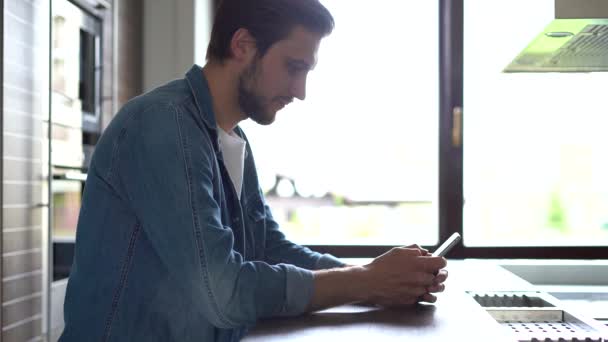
(404, 276)
(401, 276)
(440, 278)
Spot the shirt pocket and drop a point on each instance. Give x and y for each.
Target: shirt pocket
(255, 209)
(256, 224)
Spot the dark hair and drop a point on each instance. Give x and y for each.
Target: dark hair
(268, 21)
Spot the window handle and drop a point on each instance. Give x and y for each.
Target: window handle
(456, 126)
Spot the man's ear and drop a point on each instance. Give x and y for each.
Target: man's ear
(243, 46)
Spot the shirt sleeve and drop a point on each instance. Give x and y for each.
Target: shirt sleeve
(165, 162)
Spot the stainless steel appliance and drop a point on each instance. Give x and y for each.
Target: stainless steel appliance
(75, 118)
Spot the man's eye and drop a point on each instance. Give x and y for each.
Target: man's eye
(291, 69)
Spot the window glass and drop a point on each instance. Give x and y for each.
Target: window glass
(535, 144)
(357, 161)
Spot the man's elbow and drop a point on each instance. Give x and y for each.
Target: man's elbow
(230, 305)
(230, 314)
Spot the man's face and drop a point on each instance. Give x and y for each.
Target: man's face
(272, 81)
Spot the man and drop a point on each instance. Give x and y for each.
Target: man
(174, 239)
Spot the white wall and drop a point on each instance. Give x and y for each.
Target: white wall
(176, 34)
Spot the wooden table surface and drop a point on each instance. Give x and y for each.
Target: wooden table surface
(455, 316)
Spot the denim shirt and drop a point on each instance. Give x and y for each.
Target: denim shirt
(165, 250)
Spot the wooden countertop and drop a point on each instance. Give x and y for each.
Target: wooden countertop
(455, 316)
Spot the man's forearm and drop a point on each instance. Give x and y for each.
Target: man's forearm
(339, 286)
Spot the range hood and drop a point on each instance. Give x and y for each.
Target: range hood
(576, 41)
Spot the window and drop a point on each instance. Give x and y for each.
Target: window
(357, 162)
(535, 145)
(380, 154)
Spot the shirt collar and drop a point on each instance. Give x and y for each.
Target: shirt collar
(204, 102)
(202, 95)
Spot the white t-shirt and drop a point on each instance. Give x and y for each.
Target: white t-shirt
(233, 150)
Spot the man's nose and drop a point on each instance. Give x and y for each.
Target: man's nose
(298, 88)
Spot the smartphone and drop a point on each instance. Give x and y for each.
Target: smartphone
(447, 245)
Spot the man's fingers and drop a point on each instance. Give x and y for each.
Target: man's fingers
(407, 251)
(419, 279)
(429, 298)
(422, 250)
(432, 264)
(417, 291)
(441, 277)
(436, 288)
(407, 275)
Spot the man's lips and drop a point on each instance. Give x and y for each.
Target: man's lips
(284, 101)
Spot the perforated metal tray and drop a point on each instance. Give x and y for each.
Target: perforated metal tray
(512, 300)
(551, 331)
(537, 316)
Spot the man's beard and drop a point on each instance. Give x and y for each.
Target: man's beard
(251, 103)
